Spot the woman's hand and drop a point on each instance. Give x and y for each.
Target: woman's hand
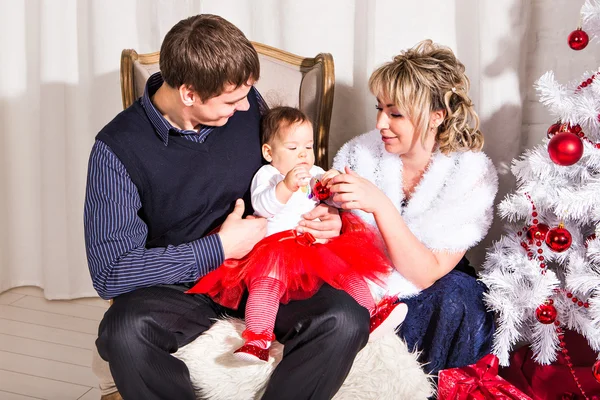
(354, 192)
(323, 222)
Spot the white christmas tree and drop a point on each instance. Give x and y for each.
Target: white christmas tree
(543, 274)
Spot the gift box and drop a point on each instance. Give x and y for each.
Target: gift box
(555, 381)
(477, 381)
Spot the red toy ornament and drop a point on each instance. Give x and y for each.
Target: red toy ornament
(538, 232)
(578, 39)
(558, 239)
(322, 192)
(565, 148)
(546, 314)
(553, 129)
(596, 370)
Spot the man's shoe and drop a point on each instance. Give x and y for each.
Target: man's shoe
(111, 396)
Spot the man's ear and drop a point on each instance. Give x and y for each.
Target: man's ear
(187, 95)
(266, 152)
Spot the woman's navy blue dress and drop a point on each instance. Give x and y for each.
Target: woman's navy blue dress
(448, 322)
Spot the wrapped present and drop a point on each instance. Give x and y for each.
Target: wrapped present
(555, 381)
(477, 381)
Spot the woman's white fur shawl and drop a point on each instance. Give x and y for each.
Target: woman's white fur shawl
(451, 209)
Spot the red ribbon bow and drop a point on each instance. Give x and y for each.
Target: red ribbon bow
(302, 238)
(305, 238)
(483, 376)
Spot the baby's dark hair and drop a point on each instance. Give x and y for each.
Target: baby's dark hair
(278, 118)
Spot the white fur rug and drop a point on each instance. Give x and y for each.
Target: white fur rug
(383, 370)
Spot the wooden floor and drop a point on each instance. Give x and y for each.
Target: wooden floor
(45, 346)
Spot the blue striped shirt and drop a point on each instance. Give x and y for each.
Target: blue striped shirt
(115, 235)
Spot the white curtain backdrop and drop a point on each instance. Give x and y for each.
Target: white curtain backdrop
(59, 84)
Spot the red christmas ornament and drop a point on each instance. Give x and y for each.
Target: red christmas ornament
(554, 129)
(578, 39)
(596, 370)
(565, 148)
(322, 192)
(538, 232)
(546, 314)
(558, 239)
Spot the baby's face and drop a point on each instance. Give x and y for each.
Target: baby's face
(293, 146)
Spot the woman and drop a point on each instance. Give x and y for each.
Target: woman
(421, 178)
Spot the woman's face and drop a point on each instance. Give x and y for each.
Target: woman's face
(397, 131)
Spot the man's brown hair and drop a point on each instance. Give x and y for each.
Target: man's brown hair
(207, 52)
(278, 118)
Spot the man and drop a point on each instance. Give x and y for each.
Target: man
(162, 176)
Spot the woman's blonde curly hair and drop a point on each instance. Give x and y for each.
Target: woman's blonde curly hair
(429, 78)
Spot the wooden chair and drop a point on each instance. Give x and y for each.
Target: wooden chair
(384, 369)
(285, 79)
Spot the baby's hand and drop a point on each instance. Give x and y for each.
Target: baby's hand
(326, 178)
(296, 178)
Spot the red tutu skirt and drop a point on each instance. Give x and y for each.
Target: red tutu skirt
(300, 263)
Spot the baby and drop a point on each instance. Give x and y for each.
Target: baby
(288, 265)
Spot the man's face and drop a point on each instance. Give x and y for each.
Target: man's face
(216, 111)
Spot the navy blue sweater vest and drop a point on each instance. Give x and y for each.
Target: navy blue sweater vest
(186, 188)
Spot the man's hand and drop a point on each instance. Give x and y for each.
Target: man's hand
(327, 225)
(238, 235)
